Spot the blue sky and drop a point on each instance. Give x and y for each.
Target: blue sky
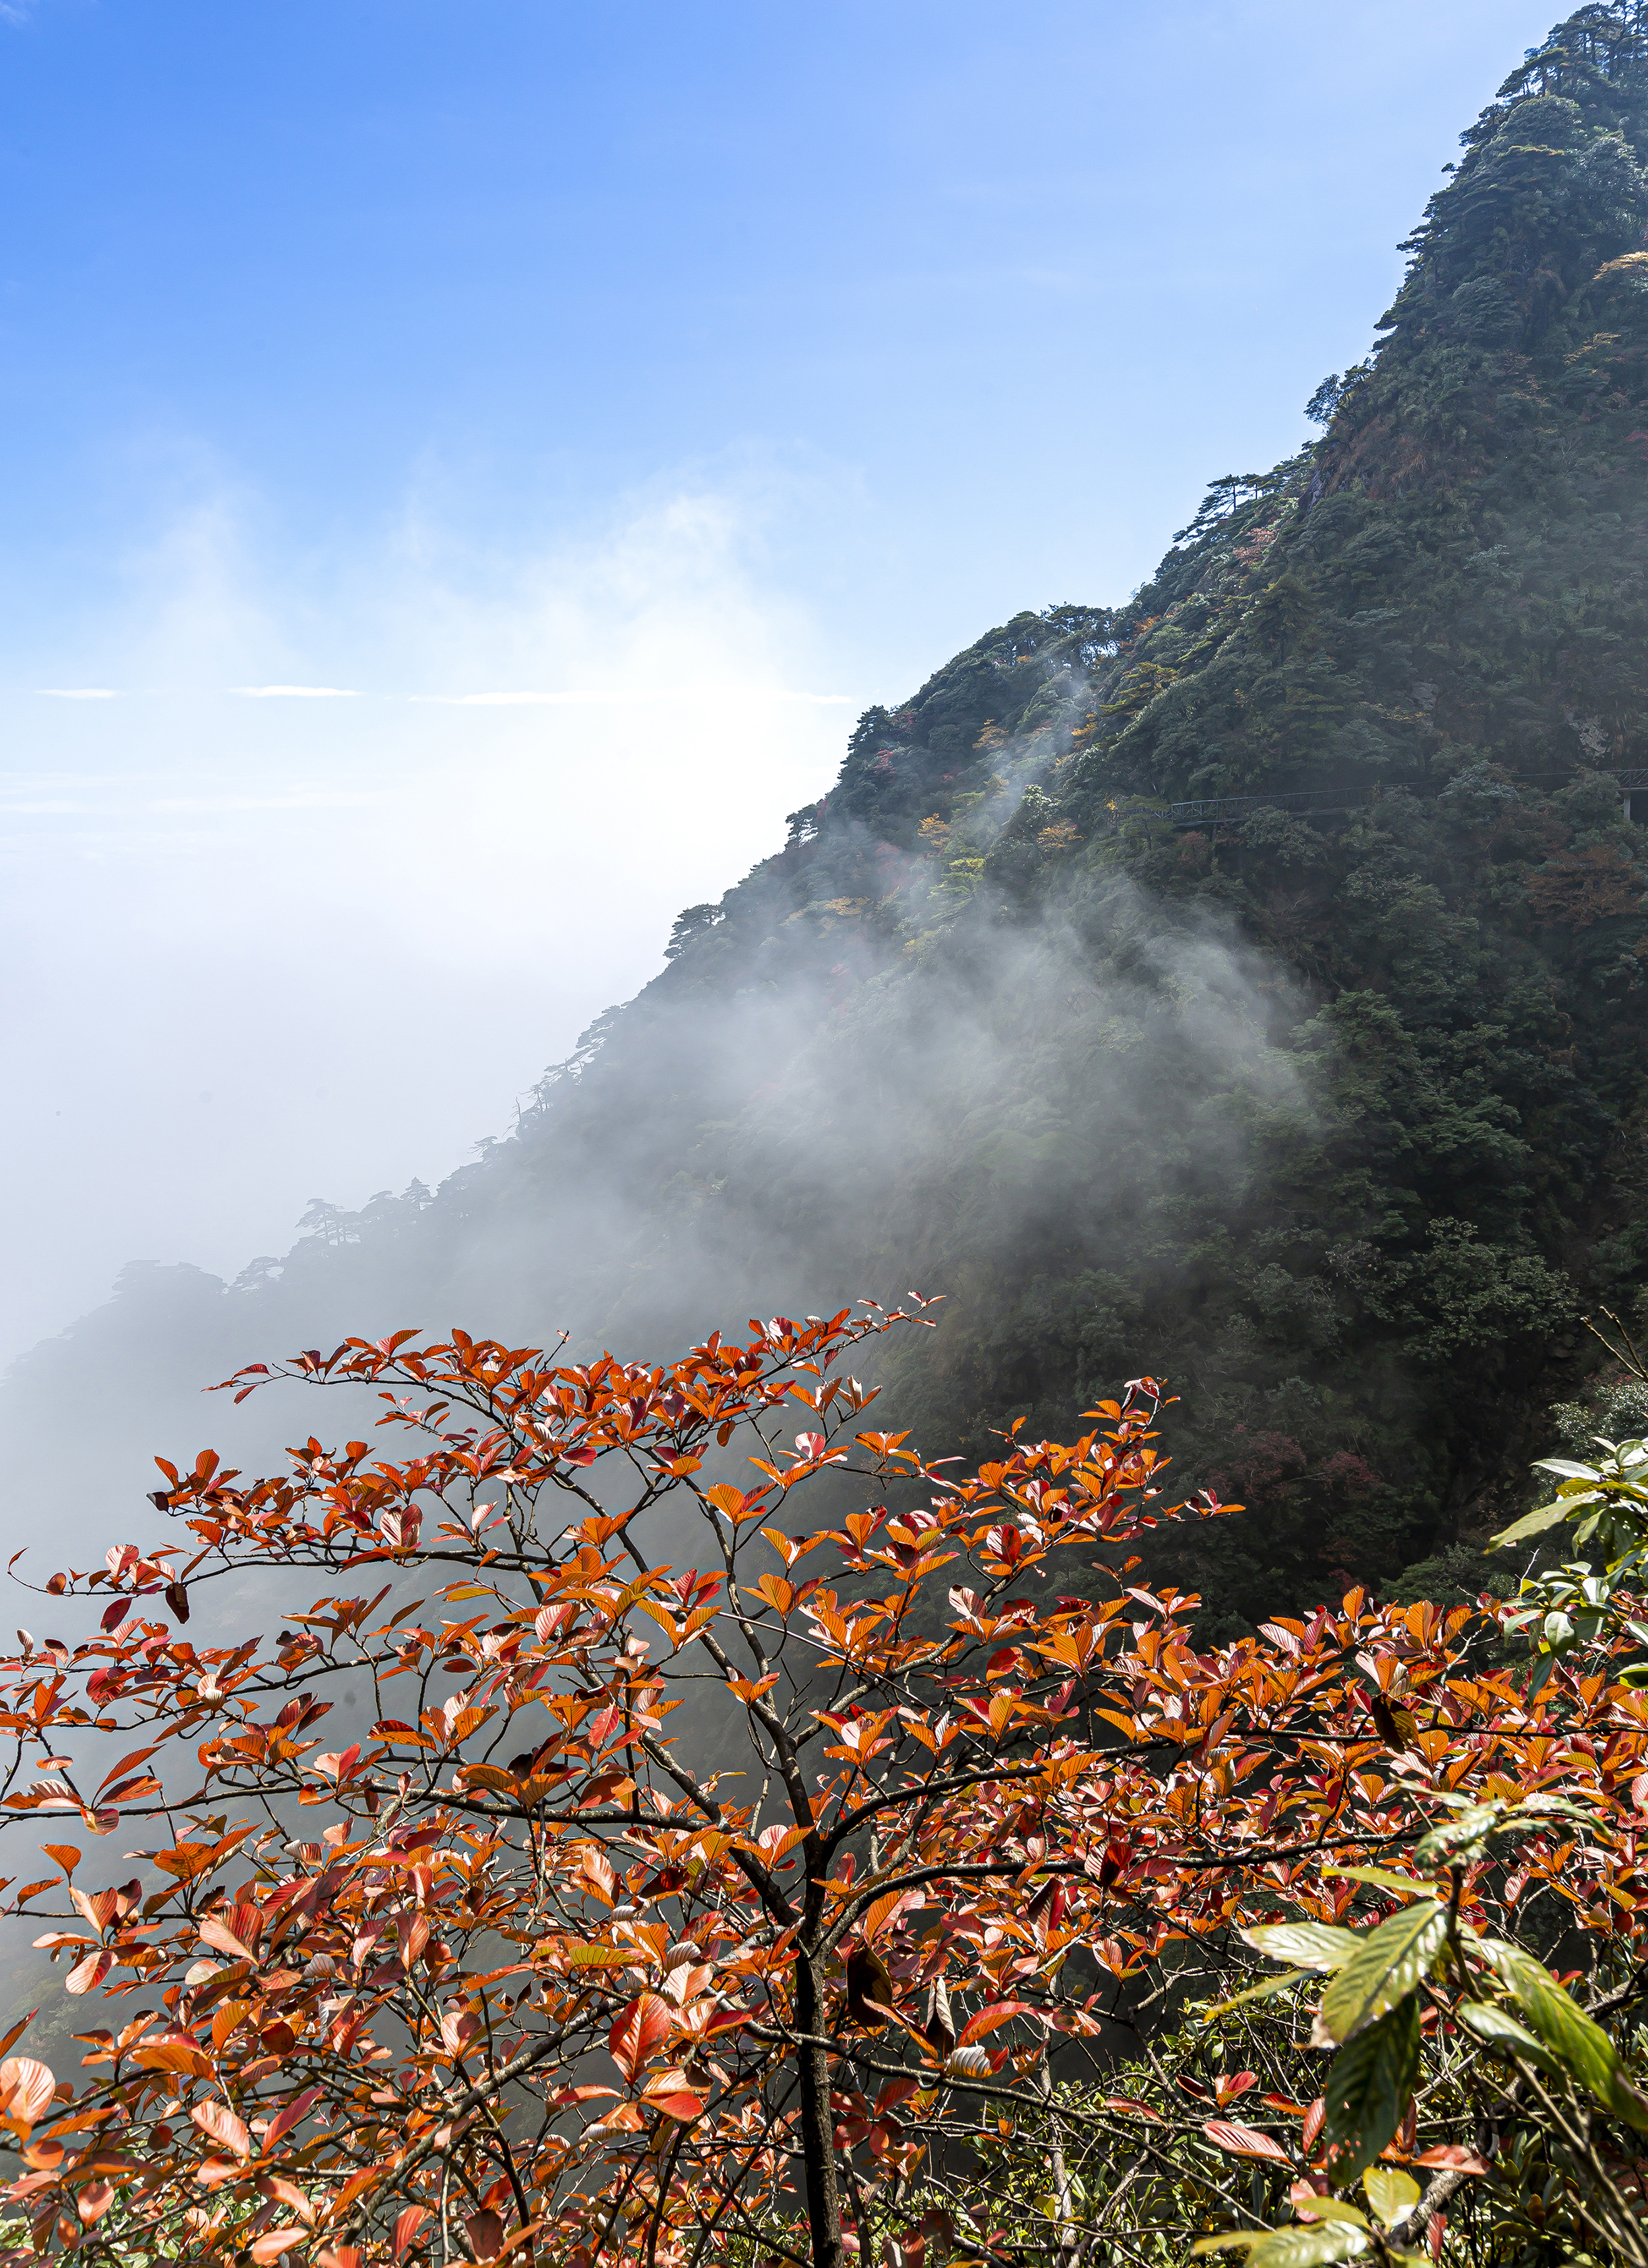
(704, 374)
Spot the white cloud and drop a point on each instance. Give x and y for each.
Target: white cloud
(78, 692)
(322, 945)
(298, 692)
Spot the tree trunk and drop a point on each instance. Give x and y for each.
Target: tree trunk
(818, 2126)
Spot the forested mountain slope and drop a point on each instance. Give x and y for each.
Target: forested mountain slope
(1334, 1115)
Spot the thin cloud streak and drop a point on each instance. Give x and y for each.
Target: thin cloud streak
(76, 693)
(296, 692)
(628, 696)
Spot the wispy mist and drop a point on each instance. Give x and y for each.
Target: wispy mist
(263, 947)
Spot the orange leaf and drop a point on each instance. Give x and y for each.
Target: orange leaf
(637, 2031)
(748, 1692)
(218, 2121)
(991, 2020)
(65, 1854)
(27, 2087)
(93, 2201)
(408, 2225)
(491, 1777)
(273, 2242)
(181, 2056)
(355, 2186)
(218, 1934)
(90, 1971)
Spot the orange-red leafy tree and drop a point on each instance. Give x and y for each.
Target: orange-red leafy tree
(708, 1889)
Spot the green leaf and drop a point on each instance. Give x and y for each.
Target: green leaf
(1464, 1837)
(1261, 1992)
(1315, 1945)
(1405, 1886)
(1391, 2193)
(1310, 2245)
(1566, 1470)
(1368, 2089)
(1535, 1523)
(1541, 1678)
(1582, 2048)
(1495, 2027)
(1387, 1963)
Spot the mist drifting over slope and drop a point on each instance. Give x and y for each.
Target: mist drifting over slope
(819, 1100)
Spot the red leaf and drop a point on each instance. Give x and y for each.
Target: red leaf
(273, 2242)
(485, 2231)
(678, 2105)
(408, 2225)
(990, 2019)
(288, 2116)
(17, 2030)
(218, 1934)
(1244, 2141)
(137, 1756)
(93, 2202)
(90, 1971)
(1454, 2155)
(217, 2120)
(636, 2032)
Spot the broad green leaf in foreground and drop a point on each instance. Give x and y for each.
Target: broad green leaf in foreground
(1387, 1963)
(1536, 1522)
(1311, 2245)
(1495, 2028)
(1582, 2047)
(1368, 2089)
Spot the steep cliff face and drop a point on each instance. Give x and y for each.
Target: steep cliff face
(1328, 1107)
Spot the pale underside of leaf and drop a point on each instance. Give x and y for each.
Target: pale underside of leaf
(1313, 1945)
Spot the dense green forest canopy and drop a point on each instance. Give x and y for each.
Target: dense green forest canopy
(1326, 1105)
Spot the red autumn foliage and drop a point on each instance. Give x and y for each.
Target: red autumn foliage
(701, 1875)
